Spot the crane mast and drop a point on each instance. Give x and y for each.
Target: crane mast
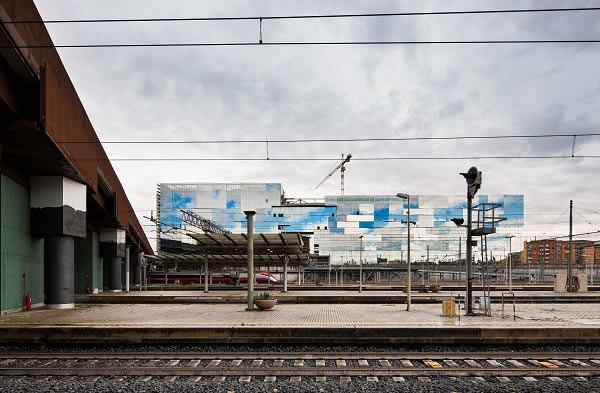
(342, 167)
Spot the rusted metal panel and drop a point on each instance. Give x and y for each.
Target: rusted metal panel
(63, 117)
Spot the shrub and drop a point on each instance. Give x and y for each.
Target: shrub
(435, 287)
(263, 296)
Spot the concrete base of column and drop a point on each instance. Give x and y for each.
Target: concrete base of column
(60, 306)
(59, 261)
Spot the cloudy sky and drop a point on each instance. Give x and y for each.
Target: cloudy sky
(303, 92)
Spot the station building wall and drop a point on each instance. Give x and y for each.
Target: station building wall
(88, 264)
(338, 223)
(19, 251)
(378, 219)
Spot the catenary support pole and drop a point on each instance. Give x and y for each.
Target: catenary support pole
(570, 261)
(469, 289)
(510, 263)
(408, 285)
(206, 274)
(250, 252)
(360, 275)
(285, 273)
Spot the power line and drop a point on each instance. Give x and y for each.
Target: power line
(299, 43)
(322, 140)
(325, 16)
(440, 158)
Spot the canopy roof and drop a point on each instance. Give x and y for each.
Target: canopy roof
(237, 243)
(230, 250)
(234, 260)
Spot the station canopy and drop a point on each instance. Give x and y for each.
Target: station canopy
(230, 250)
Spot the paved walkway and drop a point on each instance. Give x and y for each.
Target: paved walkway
(330, 293)
(302, 315)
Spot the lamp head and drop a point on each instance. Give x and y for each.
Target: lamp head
(458, 221)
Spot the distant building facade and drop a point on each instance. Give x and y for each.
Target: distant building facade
(337, 223)
(556, 252)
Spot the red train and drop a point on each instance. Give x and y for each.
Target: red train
(260, 277)
(187, 278)
(217, 278)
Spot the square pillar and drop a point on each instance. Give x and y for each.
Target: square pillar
(112, 249)
(58, 214)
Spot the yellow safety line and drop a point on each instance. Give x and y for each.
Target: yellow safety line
(548, 364)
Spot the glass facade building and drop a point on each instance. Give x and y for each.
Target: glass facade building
(337, 224)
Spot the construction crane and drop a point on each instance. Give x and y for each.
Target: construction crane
(342, 168)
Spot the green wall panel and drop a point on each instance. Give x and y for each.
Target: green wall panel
(19, 251)
(88, 263)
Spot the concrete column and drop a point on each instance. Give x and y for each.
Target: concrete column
(58, 214)
(206, 274)
(112, 249)
(137, 268)
(141, 284)
(285, 273)
(114, 274)
(127, 260)
(59, 258)
(250, 252)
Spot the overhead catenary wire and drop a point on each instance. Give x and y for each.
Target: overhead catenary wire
(313, 16)
(272, 159)
(325, 140)
(299, 43)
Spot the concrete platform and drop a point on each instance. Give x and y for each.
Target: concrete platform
(347, 296)
(301, 323)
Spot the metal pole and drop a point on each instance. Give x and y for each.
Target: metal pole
(408, 283)
(127, 250)
(360, 278)
(529, 269)
(206, 274)
(570, 261)
(459, 259)
(428, 266)
(329, 272)
(285, 273)
(139, 257)
(510, 263)
(250, 237)
(469, 289)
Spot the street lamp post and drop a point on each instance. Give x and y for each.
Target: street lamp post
(510, 262)
(360, 265)
(408, 222)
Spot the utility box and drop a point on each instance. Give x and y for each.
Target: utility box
(560, 282)
(448, 308)
(579, 282)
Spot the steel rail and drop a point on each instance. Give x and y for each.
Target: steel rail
(298, 371)
(300, 355)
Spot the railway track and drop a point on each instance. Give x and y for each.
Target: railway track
(218, 366)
